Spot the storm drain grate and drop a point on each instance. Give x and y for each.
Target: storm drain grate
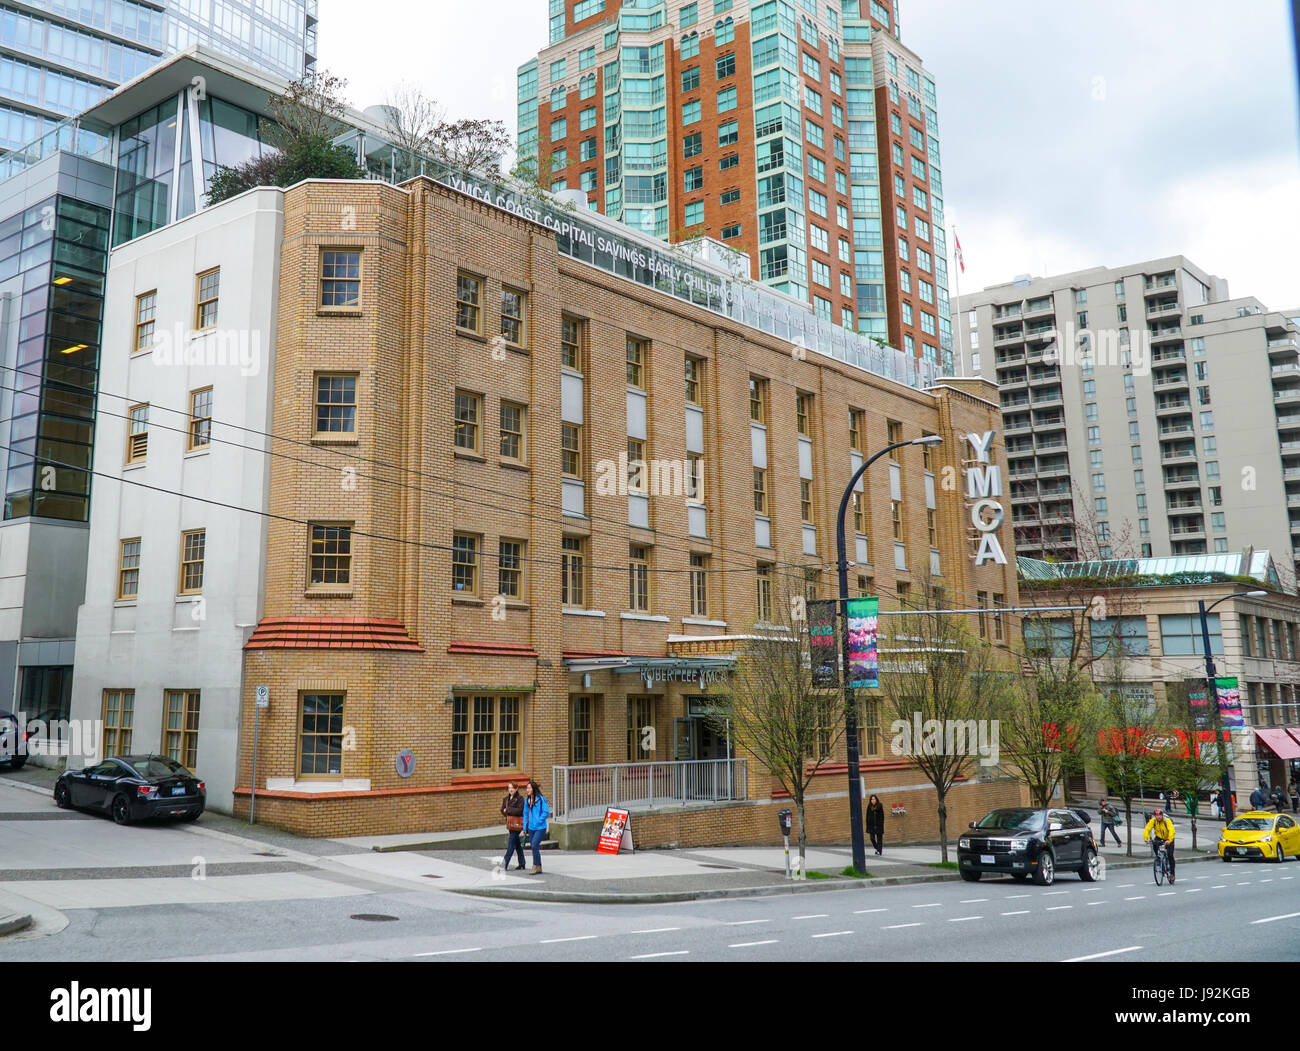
(371, 917)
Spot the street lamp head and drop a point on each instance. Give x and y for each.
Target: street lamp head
(1251, 594)
(927, 439)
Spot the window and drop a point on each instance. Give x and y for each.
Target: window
(805, 501)
(691, 79)
(571, 343)
(512, 431)
(730, 232)
(725, 66)
(856, 424)
(690, 45)
(859, 515)
(699, 585)
(559, 129)
(693, 179)
(763, 591)
(691, 111)
(757, 399)
(137, 437)
(821, 274)
(513, 310)
(330, 557)
(638, 578)
(1218, 521)
(726, 100)
(336, 404)
(193, 545)
(636, 466)
(1112, 636)
(587, 118)
(146, 310)
(510, 568)
(128, 569)
(119, 720)
(724, 33)
(760, 491)
(1094, 435)
(485, 731)
(1098, 483)
(1180, 635)
(199, 431)
(694, 370)
(811, 66)
(340, 278)
(573, 559)
(637, 359)
(469, 292)
(730, 161)
(817, 203)
(180, 736)
(728, 134)
(694, 214)
(209, 287)
(464, 563)
(469, 411)
(580, 723)
(1049, 636)
(571, 449)
(730, 196)
(816, 169)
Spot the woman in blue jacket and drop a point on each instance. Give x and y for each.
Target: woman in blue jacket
(536, 813)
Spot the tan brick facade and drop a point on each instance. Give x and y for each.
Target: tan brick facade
(406, 489)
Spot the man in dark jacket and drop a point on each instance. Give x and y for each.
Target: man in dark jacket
(1257, 799)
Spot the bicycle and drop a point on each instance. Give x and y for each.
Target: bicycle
(1160, 863)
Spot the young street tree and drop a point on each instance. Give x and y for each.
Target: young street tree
(775, 713)
(936, 675)
(1200, 767)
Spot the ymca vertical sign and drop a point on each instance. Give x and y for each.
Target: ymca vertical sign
(984, 488)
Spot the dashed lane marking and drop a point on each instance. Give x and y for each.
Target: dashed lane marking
(1272, 919)
(575, 938)
(448, 952)
(746, 945)
(1022, 912)
(832, 934)
(900, 926)
(964, 919)
(1100, 955)
(655, 955)
(656, 930)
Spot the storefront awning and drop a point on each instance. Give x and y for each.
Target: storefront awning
(1280, 743)
(702, 671)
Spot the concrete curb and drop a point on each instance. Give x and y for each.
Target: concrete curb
(11, 924)
(40, 790)
(666, 897)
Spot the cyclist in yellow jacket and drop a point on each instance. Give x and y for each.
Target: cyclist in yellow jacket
(1161, 828)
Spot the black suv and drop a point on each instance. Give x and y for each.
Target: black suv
(1024, 842)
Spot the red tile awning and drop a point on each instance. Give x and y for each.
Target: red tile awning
(1281, 743)
(332, 633)
(492, 649)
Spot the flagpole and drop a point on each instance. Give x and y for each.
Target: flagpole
(956, 274)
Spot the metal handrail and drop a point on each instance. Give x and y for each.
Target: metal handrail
(589, 789)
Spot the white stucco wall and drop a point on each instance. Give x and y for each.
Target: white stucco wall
(163, 641)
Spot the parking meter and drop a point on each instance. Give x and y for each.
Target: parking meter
(786, 817)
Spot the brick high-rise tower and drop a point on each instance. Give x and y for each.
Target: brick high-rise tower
(800, 132)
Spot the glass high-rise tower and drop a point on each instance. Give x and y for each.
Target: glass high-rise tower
(59, 57)
(802, 133)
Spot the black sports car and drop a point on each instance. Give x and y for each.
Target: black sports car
(133, 788)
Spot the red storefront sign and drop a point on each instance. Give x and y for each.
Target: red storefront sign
(613, 831)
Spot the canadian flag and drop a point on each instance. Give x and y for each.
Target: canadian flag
(960, 261)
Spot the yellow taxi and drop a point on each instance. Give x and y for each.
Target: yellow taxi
(1260, 834)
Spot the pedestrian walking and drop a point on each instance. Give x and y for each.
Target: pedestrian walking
(1295, 796)
(876, 823)
(1279, 799)
(1257, 798)
(512, 809)
(536, 813)
(1108, 815)
(1216, 810)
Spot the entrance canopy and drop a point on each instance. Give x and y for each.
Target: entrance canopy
(699, 671)
(1281, 743)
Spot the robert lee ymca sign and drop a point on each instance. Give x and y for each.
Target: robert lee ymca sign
(983, 485)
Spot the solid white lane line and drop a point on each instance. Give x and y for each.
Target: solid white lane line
(654, 955)
(1099, 955)
(899, 926)
(832, 934)
(929, 905)
(448, 952)
(971, 901)
(1022, 912)
(576, 938)
(963, 919)
(813, 916)
(657, 930)
(746, 945)
(1271, 919)
(860, 912)
(1058, 908)
(744, 923)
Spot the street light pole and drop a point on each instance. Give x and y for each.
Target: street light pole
(850, 707)
(1211, 681)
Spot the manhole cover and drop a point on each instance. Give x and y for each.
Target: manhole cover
(371, 917)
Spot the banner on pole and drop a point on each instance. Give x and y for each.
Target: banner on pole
(823, 643)
(864, 664)
(1229, 691)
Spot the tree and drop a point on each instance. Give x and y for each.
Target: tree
(1124, 756)
(943, 684)
(413, 119)
(775, 712)
(301, 136)
(1186, 774)
(475, 145)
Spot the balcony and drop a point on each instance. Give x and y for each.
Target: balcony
(1040, 333)
(1169, 354)
(1021, 472)
(1054, 490)
(1170, 381)
(1179, 455)
(1183, 481)
(1180, 428)
(1286, 397)
(579, 792)
(1007, 310)
(1166, 334)
(1025, 498)
(1163, 308)
(1039, 307)
(1290, 449)
(1169, 408)
(1016, 426)
(1012, 357)
(1051, 443)
(1288, 421)
(1153, 286)
(1049, 423)
(1291, 369)
(1014, 403)
(1011, 380)
(1188, 547)
(1044, 376)
(1291, 474)
(1187, 531)
(1185, 505)
(1051, 397)
(1056, 518)
(1008, 337)
(1020, 448)
(1024, 516)
(1278, 346)
(1295, 527)
(1053, 470)
(1293, 501)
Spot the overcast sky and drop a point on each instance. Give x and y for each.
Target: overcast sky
(1072, 134)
